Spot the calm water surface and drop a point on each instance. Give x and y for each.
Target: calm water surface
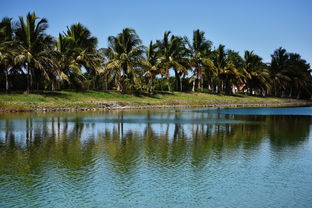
(257, 157)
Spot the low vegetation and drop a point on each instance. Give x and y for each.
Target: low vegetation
(50, 100)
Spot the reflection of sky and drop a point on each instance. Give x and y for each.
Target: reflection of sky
(245, 111)
(265, 111)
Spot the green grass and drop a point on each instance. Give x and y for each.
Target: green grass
(18, 101)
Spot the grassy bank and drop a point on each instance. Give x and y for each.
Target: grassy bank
(65, 100)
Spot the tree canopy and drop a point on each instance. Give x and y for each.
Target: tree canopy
(31, 59)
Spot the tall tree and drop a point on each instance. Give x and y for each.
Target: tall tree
(35, 48)
(220, 63)
(77, 50)
(151, 65)
(7, 49)
(173, 54)
(299, 72)
(125, 55)
(228, 65)
(278, 71)
(200, 49)
(256, 73)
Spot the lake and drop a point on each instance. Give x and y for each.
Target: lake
(253, 157)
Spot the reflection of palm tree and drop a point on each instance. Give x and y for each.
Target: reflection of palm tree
(7, 127)
(29, 128)
(178, 130)
(289, 136)
(123, 153)
(67, 150)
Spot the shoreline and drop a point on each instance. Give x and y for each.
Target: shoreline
(62, 101)
(116, 106)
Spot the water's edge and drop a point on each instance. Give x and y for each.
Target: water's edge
(113, 106)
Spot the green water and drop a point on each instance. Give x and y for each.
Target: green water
(161, 158)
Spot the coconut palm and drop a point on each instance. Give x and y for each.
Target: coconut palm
(299, 73)
(200, 49)
(233, 74)
(278, 71)
(220, 63)
(125, 55)
(7, 48)
(228, 65)
(70, 71)
(173, 54)
(76, 49)
(35, 49)
(151, 66)
(256, 73)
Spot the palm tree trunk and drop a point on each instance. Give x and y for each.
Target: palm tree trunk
(181, 84)
(177, 80)
(193, 88)
(28, 80)
(168, 80)
(290, 92)
(198, 81)
(118, 86)
(31, 79)
(150, 84)
(197, 69)
(202, 83)
(106, 79)
(118, 80)
(6, 81)
(169, 86)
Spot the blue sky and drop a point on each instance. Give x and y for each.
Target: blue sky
(262, 25)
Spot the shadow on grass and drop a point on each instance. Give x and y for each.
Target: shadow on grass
(151, 95)
(51, 94)
(238, 95)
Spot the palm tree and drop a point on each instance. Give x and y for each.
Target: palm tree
(278, 71)
(299, 72)
(151, 66)
(256, 73)
(7, 48)
(35, 48)
(125, 57)
(76, 49)
(233, 74)
(199, 58)
(173, 54)
(70, 70)
(228, 65)
(220, 63)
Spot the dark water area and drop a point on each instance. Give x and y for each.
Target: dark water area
(253, 157)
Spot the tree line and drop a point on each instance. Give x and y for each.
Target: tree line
(31, 59)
